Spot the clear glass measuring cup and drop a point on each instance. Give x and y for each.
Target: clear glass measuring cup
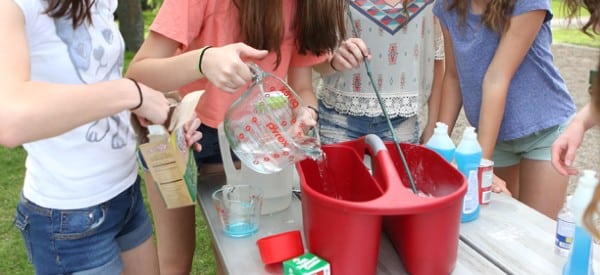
(262, 126)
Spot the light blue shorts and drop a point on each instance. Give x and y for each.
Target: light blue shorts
(86, 241)
(335, 127)
(536, 146)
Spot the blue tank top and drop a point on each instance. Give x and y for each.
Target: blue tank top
(537, 97)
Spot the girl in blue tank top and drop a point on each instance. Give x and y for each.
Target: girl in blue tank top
(499, 67)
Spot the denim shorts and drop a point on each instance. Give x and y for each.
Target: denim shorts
(210, 153)
(536, 146)
(335, 127)
(84, 241)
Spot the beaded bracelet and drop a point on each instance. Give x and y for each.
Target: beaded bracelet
(139, 93)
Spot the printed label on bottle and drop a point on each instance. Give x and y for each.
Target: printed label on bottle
(471, 200)
(565, 231)
(486, 197)
(486, 178)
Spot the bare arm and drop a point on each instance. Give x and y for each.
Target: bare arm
(435, 96)
(349, 55)
(451, 98)
(564, 148)
(435, 99)
(514, 45)
(158, 64)
(35, 110)
(300, 79)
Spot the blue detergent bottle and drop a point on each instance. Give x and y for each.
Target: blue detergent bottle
(468, 157)
(580, 257)
(441, 143)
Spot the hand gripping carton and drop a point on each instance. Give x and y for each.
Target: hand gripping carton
(165, 153)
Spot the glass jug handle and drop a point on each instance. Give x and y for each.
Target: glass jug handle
(257, 73)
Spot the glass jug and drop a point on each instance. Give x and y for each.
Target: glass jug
(262, 128)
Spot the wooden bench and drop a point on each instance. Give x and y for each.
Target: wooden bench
(516, 238)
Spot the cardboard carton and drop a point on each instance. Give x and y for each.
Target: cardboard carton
(307, 264)
(170, 161)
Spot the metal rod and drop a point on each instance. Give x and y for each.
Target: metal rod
(385, 114)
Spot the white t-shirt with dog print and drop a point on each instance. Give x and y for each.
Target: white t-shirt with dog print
(94, 162)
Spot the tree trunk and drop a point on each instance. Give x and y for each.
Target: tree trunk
(131, 23)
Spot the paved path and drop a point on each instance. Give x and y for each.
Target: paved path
(560, 23)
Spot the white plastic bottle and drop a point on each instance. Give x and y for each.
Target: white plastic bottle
(580, 256)
(441, 142)
(565, 230)
(468, 157)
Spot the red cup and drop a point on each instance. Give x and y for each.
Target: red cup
(280, 247)
(485, 173)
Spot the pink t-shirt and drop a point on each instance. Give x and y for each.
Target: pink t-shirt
(197, 23)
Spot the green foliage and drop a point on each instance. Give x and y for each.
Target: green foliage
(572, 35)
(577, 37)
(13, 258)
(559, 10)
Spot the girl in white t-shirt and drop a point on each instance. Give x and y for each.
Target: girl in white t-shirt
(62, 97)
(403, 44)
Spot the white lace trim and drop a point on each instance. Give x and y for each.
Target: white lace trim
(404, 104)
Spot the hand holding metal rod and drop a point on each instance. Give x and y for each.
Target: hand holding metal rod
(385, 114)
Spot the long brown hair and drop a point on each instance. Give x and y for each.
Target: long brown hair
(496, 15)
(593, 6)
(78, 10)
(319, 24)
(572, 10)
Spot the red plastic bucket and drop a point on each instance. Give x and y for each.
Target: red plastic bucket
(427, 240)
(343, 214)
(347, 239)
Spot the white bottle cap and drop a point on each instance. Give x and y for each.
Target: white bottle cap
(441, 127)
(470, 133)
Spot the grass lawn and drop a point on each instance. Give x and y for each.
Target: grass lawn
(13, 259)
(576, 37)
(559, 11)
(572, 36)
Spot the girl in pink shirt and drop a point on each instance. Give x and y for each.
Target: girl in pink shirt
(205, 44)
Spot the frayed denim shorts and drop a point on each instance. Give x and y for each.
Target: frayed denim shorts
(536, 146)
(84, 241)
(335, 127)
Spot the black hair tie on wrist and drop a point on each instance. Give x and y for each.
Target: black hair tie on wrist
(201, 57)
(316, 112)
(139, 93)
(331, 65)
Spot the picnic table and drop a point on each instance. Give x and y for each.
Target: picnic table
(508, 238)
